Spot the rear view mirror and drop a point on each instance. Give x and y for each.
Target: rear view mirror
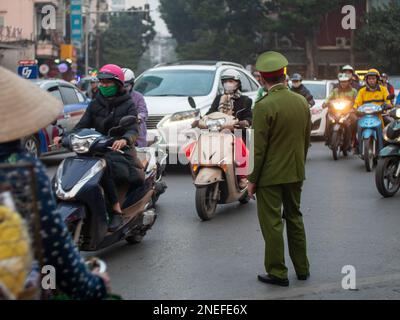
(192, 103)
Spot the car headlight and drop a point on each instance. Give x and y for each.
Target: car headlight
(185, 115)
(81, 145)
(215, 122)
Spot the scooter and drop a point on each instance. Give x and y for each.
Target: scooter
(213, 165)
(369, 133)
(81, 199)
(387, 173)
(338, 116)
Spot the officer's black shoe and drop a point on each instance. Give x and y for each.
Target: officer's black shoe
(266, 278)
(303, 277)
(116, 223)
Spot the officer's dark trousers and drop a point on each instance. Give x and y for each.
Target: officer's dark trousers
(269, 202)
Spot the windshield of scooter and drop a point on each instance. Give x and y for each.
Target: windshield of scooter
(370, 108)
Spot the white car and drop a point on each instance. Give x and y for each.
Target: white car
(320, 89)
(166, 89)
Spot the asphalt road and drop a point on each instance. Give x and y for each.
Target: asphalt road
(347, 223)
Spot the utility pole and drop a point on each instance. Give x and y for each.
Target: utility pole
(87, 22)
(97, 34)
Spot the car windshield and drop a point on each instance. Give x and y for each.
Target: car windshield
(175, 83)
(318, 90)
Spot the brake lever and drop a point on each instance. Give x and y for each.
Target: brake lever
(120, 151)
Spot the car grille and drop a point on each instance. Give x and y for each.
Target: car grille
(152, 121)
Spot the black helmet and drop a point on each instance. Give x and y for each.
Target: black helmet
(393, 131)
(296, 77)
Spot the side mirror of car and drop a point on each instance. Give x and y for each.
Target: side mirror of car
(192, 103)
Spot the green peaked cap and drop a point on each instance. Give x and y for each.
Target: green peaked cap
(271, 61)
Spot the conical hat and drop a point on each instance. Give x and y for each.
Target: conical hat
(24, 107)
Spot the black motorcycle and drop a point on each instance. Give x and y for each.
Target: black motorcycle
(387, 173)
(81, 199)
(339, 136)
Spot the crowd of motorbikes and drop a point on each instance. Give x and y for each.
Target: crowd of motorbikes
(378, 145)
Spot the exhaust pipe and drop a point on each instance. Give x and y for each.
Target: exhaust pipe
(149, 217)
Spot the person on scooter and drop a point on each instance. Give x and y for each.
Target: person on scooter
(343, 91)
(373, 92)
(349, 70)
(140, 104)
(102, 114)
(25, 109)
(299, 88)
(242, 104)
(387, 84)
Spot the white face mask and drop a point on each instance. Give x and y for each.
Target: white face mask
(230, 87)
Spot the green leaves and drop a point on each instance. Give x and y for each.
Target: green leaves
(126, 39)
(216, 30)
(379, 37)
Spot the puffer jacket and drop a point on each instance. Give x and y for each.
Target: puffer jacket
(303, 91)
(102, 114)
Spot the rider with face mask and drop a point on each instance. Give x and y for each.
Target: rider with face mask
(230, 79)
(299, 88)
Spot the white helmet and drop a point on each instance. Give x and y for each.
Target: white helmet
(348, 68)
(230, 74)
(129, 76)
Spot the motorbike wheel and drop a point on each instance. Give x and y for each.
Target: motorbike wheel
(368, 154)
(32, 146)
(205, 204)
(335, 142)
(385, 180)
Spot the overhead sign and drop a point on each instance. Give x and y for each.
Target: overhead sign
(29, 71)
(76, 23)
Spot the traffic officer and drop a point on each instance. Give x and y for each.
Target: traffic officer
(282, 126)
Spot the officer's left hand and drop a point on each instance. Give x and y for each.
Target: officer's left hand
(251, 190)
(119, 144)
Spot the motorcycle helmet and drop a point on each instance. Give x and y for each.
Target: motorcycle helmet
(112, 72)
(373, 73)
(392, 131)
(348, 68)
(296, 77)
(129, 76)
(231, 74)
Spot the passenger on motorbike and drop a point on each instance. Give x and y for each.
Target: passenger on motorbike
(140, 104)
(102, 114)
(344, 91)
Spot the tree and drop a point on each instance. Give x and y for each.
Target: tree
(216, 30)
(378, 37)
(126, 39)
(303, 17)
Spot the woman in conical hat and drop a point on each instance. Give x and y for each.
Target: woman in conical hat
(24, 109)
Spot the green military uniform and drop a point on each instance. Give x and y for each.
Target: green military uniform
(282, 124)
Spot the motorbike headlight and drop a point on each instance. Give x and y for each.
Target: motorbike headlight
(212, 123)
(339, 106)
(185, 115)
(81, 144)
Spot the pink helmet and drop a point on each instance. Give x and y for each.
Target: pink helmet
(113, 72)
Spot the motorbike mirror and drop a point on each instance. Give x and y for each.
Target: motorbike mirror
(192, 102)
(127, 121)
